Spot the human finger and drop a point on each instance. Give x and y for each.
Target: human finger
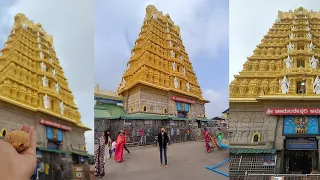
(33, 138)
(21, 127)
(25, 128)
(29, 128)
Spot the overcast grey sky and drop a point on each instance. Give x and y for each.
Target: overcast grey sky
(250, 20)
(204, 31)
(71, 23)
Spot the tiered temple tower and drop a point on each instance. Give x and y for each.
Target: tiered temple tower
(31, 76)
(278, 83)
(285, 63)
(158, 68)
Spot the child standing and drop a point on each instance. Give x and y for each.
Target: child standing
(113, 147)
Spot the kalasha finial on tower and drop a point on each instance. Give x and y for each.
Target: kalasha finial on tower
(151, 9)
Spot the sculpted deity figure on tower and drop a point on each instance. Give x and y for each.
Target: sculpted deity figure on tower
(288, 62)
(311, 46)
(291, 35)
(285, 85)
(290, 47)
(316, 85)
(176, 82)
(309, 35)
(314, 62)
(174, 66)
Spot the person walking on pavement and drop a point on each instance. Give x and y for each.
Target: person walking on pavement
(163, 140)
(113, 147)
(125, 147)
(41, 169)
(108, 145)
(121, 141)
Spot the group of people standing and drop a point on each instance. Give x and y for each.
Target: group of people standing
(42, 171)
(107, 147)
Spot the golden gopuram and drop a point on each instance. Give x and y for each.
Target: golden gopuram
(159, 78)
(34, 90)
(274, 100)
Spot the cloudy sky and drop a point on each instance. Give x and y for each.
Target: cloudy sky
(71, 23)
(204, 32)
(250, 21)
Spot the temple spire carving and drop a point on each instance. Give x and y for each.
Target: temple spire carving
(30, 73)
(159, 58)
(285, 63)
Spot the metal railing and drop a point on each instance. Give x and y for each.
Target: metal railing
(276, 177)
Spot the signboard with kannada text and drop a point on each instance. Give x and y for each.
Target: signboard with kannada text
(55, 125)
(292, 111)
(179, 99)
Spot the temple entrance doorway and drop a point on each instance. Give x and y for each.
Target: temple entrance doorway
(182, 114)
(300, 161)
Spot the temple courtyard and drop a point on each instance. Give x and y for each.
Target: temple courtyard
(185, 160)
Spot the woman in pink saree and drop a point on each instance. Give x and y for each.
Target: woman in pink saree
(207, 139)
(121, 141)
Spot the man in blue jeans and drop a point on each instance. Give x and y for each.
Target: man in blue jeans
(163, 140)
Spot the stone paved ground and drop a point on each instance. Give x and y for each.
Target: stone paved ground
(186, 161)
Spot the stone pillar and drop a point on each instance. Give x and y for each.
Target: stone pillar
(282, 161)
(279, 139)
(309, 86)
(293, 86)
(64, 144)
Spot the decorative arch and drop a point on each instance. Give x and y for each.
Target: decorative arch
(144, 108)
(256, 137)
(165, 110)
(3, 132)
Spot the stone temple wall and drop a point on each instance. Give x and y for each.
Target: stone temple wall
(197, 110)
(155, 102)
(132, 102)
(177, 130)
(11, 117)
(247, 120)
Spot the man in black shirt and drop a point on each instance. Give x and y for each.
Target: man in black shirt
(163, 140)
